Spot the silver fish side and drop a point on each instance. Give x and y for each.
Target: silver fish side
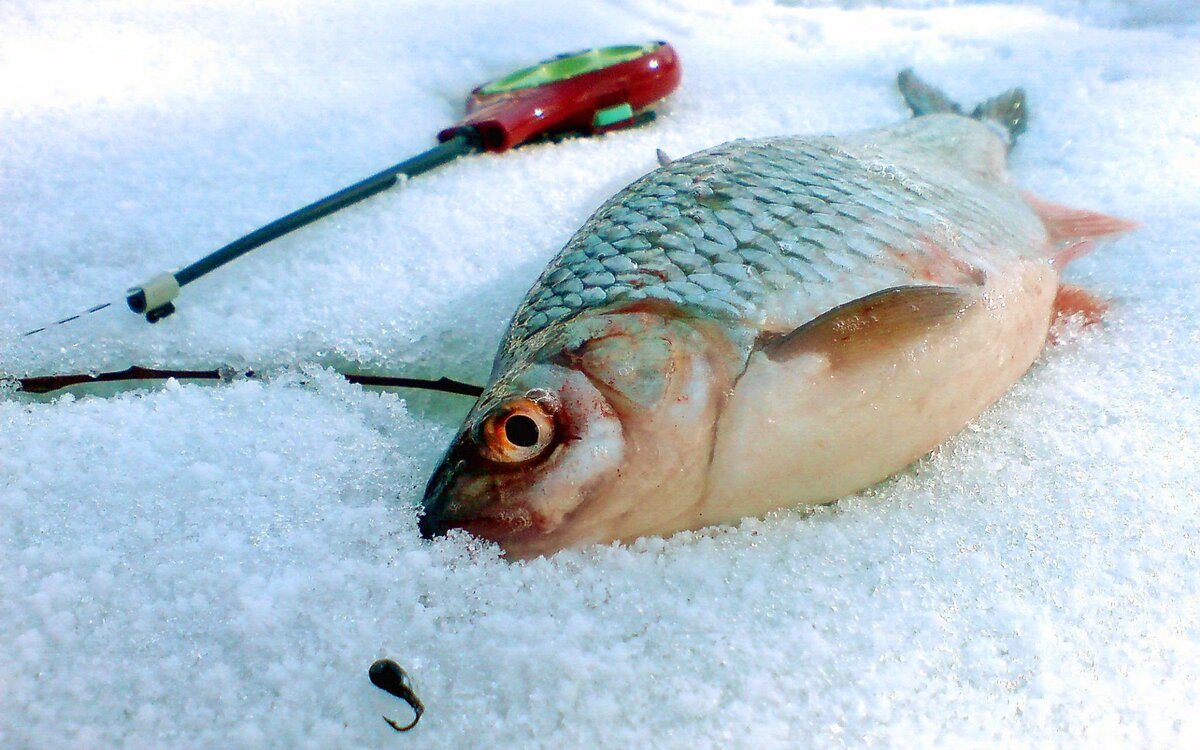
(763, 323)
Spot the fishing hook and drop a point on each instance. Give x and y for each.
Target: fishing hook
(389, 676)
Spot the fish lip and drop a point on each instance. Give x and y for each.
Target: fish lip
(432, 526)
(504, 528)
(433, 522)
(481, 516)
(508, 527)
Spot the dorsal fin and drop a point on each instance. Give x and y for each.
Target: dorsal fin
(872, 323)
(1072, 231)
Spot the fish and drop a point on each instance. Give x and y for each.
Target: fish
(769, 323)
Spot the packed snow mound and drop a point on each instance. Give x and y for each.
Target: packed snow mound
(217, 566)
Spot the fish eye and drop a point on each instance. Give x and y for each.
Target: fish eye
(517, 431)
(521, 431)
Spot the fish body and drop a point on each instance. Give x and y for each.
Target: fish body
(766, 323)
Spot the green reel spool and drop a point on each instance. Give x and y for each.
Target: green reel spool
(567, 66)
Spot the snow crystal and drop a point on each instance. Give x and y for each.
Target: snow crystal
(217, 566)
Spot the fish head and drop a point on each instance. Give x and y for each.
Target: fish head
(603, 433)
(528, 455)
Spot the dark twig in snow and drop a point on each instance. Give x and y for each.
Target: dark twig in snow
(49, 383)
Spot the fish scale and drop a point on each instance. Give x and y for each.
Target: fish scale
(715, 231)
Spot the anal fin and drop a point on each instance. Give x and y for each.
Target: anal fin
(1075, 304)
(873, 323)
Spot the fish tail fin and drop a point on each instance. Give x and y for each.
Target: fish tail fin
(1004, 113)
(922, 98)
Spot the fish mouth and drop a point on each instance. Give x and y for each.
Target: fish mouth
(454, 502)
(432, 526)
(481, 515)
(493, 528)
(510, 527)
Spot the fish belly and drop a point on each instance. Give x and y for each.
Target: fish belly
(817, 427)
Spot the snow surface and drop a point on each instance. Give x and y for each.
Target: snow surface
(216, 566)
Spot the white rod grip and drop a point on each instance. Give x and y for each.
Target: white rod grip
(159, 290)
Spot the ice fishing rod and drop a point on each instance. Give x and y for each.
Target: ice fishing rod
(584, 93)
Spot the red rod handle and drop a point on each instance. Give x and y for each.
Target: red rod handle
(505, 119)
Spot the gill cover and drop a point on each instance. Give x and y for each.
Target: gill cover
(599, 438)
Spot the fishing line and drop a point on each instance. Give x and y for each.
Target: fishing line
(583, 93)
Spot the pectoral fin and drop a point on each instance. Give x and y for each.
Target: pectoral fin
(870, 324)
(1073, 231)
